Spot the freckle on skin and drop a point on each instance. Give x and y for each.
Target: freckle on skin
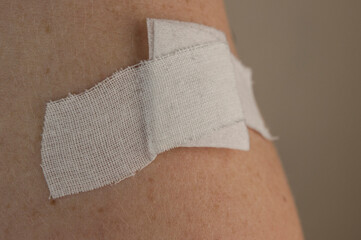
(201, 6)
(100, 210)
(244, 196)
(169, 222)
(52, 202)
(284, 198)
(34, 213)
(216, 206)
(47, 28)
(258, 175)
(151, 180)
(150, 195)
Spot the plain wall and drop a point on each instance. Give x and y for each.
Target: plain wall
(306, 62)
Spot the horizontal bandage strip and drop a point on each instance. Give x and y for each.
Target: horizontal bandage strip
(192, 93)
(118, 127)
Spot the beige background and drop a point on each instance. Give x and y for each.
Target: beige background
(305, 57)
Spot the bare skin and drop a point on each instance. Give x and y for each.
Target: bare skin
(51, 48)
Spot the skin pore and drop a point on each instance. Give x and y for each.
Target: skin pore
(51, 48)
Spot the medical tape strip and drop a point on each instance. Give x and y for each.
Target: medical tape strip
(109, 132)
(166, 36)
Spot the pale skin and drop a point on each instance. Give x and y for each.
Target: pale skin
(51, 48)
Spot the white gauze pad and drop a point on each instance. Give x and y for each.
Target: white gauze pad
(187, 94)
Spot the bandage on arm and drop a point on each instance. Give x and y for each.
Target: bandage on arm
(185, 193)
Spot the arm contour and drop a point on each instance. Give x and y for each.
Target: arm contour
(50, 48)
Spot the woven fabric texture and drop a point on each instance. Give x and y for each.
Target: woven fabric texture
(192, 93)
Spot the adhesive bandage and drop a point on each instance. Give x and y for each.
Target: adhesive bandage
(192, 92)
